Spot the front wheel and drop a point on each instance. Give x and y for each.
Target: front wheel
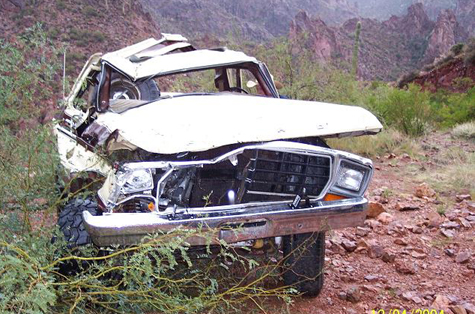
(71, 223)
(304, 256)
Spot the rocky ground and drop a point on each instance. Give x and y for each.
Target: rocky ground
(415, 251)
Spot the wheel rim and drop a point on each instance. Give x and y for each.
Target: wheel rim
(121, 89)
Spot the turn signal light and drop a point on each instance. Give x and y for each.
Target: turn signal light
(333, 197)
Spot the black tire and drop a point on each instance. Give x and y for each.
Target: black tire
(70, 221)
(122, 88)
(304, 256)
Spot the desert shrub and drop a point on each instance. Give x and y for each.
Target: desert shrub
(464, 131)
(97, 36)
(53, 33)
(457, 49)
(469, 58)
(90, 11)
(463, 83)
(389, 140)
(28, 163)
(450, 109)
(162, 274)
(85, 37)
(60, 4)
(407, 110)
(405, 79)
(455, 171)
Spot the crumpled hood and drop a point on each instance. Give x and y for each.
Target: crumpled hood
(202, 122)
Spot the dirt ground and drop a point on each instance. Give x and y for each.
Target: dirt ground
(418, 253)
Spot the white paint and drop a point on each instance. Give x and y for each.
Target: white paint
(199, 123)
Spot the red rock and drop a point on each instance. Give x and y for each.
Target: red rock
(348, 245)
(450, 225)
(415, 229)
(447, 233)
(449, 252)
(417, 300)
(370, 289)
(405, 267)
(463, 197)
(353, 294)
(441, 303)
(464, 222)
(385, 218)
(463, 257)
(388, 257)
(390, 156)
(376, 251)
(402, 242)
(469, 307)
(405, 156)
(458, 309)
(362, 232)
(408, 295)
(374, 209)
(371, 278)
(362, 245)
(406, 206)
(423, 190)
(379, 191)
(418, 255)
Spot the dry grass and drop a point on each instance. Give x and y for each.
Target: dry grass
(388, 141)
(455, 170)
(464, 131)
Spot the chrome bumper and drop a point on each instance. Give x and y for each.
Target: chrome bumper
(233, 223)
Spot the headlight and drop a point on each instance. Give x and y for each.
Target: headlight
(350, 179)
(135, 180)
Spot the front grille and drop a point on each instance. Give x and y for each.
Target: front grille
(283, 174)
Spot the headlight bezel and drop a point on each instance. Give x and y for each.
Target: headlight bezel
(351, 165)
(128, 186)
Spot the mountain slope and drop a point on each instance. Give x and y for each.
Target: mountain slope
(84, 27)
(387, 49)
(258, 20)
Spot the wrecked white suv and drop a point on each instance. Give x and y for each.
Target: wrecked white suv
(231, 156)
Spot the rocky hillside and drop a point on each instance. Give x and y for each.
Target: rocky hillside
(400, 44)
(262, 20)
(384, 9)
(257, 20)
(387, 49)
(85, 27)
(454, 71)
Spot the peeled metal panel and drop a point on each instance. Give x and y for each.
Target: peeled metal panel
(172, 63)
(198, 123)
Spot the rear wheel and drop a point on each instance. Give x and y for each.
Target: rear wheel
(304, 258)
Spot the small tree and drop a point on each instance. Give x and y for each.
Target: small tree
(354, 61)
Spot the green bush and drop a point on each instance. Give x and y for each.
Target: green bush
(469, 58)
(407, 110)
(90, 11)
(457, 48)
(97, 36)
(453, 108)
